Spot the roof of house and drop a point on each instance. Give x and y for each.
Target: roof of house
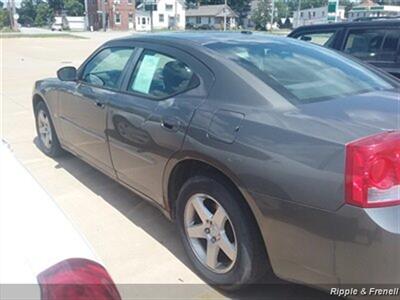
(210, 11)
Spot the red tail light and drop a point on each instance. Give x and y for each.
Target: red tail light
(373, 171)
(77, 279)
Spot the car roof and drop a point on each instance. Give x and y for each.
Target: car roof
(376, 23)
(199, 39)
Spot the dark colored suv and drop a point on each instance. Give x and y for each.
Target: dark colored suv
(376, 42)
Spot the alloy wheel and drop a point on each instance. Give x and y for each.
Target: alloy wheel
(44, 129)
(210, 233)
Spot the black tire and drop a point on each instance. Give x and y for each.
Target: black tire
(251, 260)
(55, 149)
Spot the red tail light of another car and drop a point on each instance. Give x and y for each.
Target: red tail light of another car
(373, 171)
(77, 279)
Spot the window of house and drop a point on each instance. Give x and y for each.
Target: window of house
(159, 76)
(143, 20)
(169, 7)
(130, 1)
(161, 18)
(138, 20)
(105, 69)
(323, 13)
(373, 44)
(178, 18)
(198, 20)
(313, 13)
(117, 18)
(130, 17)
(301, 14)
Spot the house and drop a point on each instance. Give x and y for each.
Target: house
(368, 9)
(119, 14)
(211, 15)
(142, 19)
(318, 15)
(167, 14)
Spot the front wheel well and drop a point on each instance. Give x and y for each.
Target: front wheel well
(36, 100)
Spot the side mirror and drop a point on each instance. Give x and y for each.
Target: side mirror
(67, 74)
(306, 38)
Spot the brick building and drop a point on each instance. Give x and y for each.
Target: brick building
(93, 16)
(120, 14)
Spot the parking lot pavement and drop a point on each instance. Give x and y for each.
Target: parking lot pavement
(133, 239)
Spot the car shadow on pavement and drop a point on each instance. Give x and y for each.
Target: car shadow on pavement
(144, 215)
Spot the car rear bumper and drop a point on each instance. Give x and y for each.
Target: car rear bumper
(349, 246)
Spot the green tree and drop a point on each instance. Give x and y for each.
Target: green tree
(74, 8)
(241, 7)
(44, 14)
(27, 12)
(262, 15)
(281, 9)
(4, 18)
(56, 5)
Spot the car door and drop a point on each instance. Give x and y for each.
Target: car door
(147, 124)
(83, 109)
(376, 45)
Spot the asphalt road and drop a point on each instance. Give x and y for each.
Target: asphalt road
(133, 239)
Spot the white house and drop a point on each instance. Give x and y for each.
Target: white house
(167, 14)
(317, 15)
(369, 9)
(142, 19)
(212, 15)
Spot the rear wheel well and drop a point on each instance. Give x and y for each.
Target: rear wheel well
(190, 168)
(36, 100)
(187, 169)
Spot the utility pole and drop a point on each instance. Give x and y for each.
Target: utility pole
(103, 15)
(175, 15)
(151, 17)
(298, 14)
(272, 12)
(86, 16)
(226, 4)
(11, 11)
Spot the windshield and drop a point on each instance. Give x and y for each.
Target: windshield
(302, 72)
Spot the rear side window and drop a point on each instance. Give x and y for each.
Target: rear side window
(324, 38)
(105, 69)
(373, 44)
(302, 72)
(160, 76)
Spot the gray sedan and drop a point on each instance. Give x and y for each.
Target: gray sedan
(270, 154)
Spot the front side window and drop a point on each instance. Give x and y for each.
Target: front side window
(161, 18)
(373, 44)
(324, 38)
(302, 73)
(160, 76)
(168, 7)
(105, 69)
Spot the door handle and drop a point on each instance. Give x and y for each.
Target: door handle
(170, 124)
(100, 104)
